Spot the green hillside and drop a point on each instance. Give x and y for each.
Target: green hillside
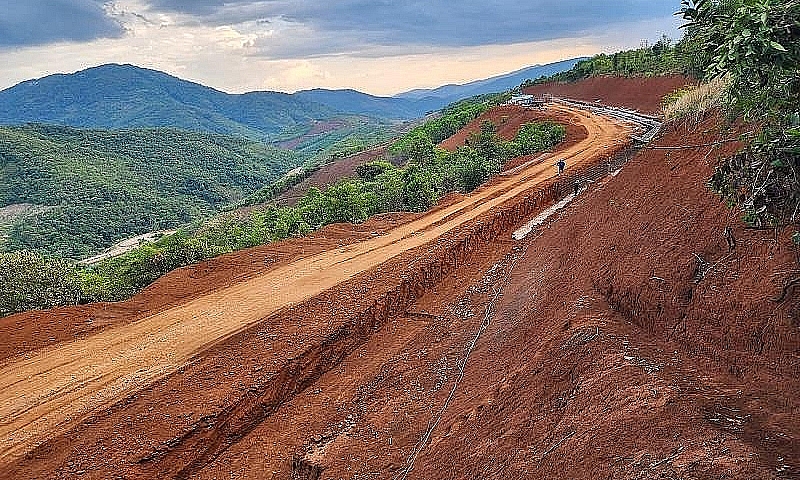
(78, 191)
(125, 96)
(664, 57)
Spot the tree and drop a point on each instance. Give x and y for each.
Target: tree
(370, 171)
(756, 43)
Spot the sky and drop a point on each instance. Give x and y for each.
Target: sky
(381, 47)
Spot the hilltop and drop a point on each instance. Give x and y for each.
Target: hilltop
(126, 96)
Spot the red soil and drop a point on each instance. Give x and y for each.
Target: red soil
(624, 340)
(643, 94)
(29, 331)
(508, 119)
(331, 173)
(643, 347)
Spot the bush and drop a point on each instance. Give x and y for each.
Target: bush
(29, 281)
(757, 45)
(371, 170)
(692, 103)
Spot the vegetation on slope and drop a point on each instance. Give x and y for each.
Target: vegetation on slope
(351, 135)
(748, 53)
(756, 46)
(125, 96)
(96, 187)
(452, 119)
(662, 58)
(381, 187)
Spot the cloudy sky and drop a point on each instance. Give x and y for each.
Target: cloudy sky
(377, 46)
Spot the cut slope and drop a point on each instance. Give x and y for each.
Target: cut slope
(644, 346)
(640, 93)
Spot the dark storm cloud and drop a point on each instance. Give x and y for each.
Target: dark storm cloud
(36, 22)
(434, 22)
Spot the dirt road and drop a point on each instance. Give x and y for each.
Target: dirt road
(52, 389)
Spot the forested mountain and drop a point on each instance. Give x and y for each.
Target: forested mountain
(78, 191)
(125, 96)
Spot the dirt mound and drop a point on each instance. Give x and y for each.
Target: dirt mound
(508, 119)
(642, 93)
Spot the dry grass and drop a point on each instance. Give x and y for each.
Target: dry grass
(692, 103)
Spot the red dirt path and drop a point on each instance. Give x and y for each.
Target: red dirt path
(626, 341)
(29, 331)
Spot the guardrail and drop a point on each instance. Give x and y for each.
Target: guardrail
(649, 125)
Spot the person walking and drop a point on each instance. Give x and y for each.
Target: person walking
(561, 164)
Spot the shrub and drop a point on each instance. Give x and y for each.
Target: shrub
(371, 170)
(692, 103)
(757, 45)
(29, 281)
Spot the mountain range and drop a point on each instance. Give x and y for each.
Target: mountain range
(125, 96)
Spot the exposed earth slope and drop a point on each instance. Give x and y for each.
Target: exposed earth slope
(641, 93)
(625, 338)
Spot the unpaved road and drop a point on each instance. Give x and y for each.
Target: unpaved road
(50, 390)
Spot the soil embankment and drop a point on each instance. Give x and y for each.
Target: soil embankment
(508, 119)
(644, 344)
(625, 338)
(641, 93)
